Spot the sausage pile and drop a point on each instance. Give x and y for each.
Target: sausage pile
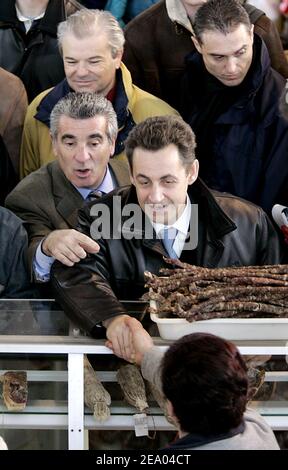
(196, 293)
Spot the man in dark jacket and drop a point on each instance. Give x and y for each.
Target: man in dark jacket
(14, 278)
(132, 223)
(83, 130)
(158, 40)
(231, 100)
(28, 42)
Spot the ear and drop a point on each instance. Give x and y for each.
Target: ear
(193, 172)
(118, 58)
(131, 176)
(196, 44)
(112, 148)
(171, 413)
(54, 146)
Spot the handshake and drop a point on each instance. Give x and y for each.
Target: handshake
(280, 215)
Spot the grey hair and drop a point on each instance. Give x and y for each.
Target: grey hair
(220, 15)
(84, 106)
(85, 22)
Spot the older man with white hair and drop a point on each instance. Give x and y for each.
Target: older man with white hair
(91, 43)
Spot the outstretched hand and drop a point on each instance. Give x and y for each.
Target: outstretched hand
(68, 246)
(138, 341)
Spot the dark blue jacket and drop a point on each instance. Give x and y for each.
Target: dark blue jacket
(249, 140)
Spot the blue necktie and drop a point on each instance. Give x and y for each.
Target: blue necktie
(168, 238)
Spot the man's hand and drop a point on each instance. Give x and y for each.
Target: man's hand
(68, 246)
(119, 337)
(128, 339)
(142, 341)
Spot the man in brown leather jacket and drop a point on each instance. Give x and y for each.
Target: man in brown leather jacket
(131, 223)
(158, 40)
(13, 100)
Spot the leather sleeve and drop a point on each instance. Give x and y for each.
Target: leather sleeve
(84, 290)
(268, 242)
(267, 30)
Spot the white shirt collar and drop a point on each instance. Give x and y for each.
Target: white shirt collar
(106, 185)
(181, 224)
(26, 20)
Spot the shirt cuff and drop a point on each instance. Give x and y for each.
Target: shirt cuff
(42, 265)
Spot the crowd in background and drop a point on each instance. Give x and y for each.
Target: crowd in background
(88, 77)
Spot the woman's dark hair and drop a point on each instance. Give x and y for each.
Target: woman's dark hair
(205, 378)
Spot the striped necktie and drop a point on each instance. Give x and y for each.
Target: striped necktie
(95, 194)
(168, 237)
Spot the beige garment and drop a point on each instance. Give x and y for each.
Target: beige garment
(13, 108)
(3, 445)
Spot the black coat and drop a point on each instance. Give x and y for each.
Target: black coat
(249, 141)
(34, 57)
(14, 277)
(8, 178)
(232, 232)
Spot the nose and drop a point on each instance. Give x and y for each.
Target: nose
(81, 70)
(231, 65)
(82, 154)
(156, 194)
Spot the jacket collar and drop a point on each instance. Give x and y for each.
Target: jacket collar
(123, 98)
(215, 219)
(67, 198)
(177, 14)
(212, 217)
(55, 13)
(244, 106)
(48, 102)
(196, 440)
(120, 172)
(122, 103)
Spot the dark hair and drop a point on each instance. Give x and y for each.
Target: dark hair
(220, 15)
(205, 378)
(157, 132)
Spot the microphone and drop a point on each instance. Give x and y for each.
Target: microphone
(280, 216)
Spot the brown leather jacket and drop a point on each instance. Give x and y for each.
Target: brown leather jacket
(232, 232)
(13, 108)
(156, 48)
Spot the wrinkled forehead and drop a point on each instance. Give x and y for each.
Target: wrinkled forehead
(82, 127)
(89, 41)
